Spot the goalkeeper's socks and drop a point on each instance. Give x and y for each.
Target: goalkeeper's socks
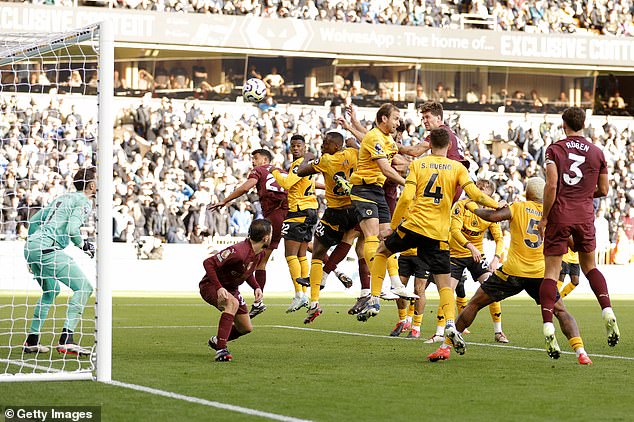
(66, 337)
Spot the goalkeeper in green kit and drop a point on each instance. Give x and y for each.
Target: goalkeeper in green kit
(51, 230)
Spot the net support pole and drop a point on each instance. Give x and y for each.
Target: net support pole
(104, 202)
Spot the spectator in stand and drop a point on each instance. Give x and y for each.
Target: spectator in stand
(613, 18)
(616, 101)
(172, 156)
(274, 82)
(241, 220)
(199, 74)
(146, 80)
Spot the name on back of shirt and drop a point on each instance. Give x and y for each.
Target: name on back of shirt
(435, 166)
(578, 145)
(533, 212)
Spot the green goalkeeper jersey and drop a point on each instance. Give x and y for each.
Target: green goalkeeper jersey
(58, 224)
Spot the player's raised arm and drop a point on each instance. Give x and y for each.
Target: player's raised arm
(414, 150)
(356, 132)
(306, 168)
(238, 192)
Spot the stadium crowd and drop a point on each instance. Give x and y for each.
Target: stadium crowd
(612, 17)
(171, 159)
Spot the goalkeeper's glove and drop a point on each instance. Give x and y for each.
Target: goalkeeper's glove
(343, 184)
(88, 248)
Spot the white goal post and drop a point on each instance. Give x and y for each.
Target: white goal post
(67, 68)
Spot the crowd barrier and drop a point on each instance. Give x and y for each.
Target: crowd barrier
(181, 269)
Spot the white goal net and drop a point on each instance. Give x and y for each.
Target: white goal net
(55, 173)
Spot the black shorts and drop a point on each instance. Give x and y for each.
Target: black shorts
(412, 266)
(501, 286)
(571, 269)
(434, 253)
(299, 225)
(458, 265)
(369, 202)
(334, 223)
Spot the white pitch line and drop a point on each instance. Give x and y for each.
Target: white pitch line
(531, 349)
(219, 405)
(30, 365)
(151, 327)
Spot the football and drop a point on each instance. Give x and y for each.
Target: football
(254, 90)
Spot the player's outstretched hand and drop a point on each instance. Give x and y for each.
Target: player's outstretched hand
(502, 204)
(257, 293)
(217, 205)
(344, 123)
(88, 248)
(351, 111)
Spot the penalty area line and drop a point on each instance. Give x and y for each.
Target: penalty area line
(499, 346)
(196, 400)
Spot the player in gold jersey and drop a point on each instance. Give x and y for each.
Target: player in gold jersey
(373, 168)
(523, 268)
(466, 249)
(569, 266)
(297, 229)
(337, 225)
(410, 312)
(427, 199)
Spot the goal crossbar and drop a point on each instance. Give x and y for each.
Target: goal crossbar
(12, 50)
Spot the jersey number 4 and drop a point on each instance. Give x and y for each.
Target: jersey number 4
(575, 174)
(436, 193)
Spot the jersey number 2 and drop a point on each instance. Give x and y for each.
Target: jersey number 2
(270, 180)
(577, 160)
(436, 193)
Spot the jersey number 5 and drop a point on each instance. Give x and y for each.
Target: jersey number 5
(577, 160)
(436, 193)
(532, 230)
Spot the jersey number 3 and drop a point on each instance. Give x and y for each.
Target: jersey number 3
(575, 174)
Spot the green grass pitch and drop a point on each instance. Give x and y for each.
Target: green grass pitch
(323, 372)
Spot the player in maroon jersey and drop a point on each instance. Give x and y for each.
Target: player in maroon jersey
(274, 208)
(224, 273)
(432, 114)
(576, 173)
